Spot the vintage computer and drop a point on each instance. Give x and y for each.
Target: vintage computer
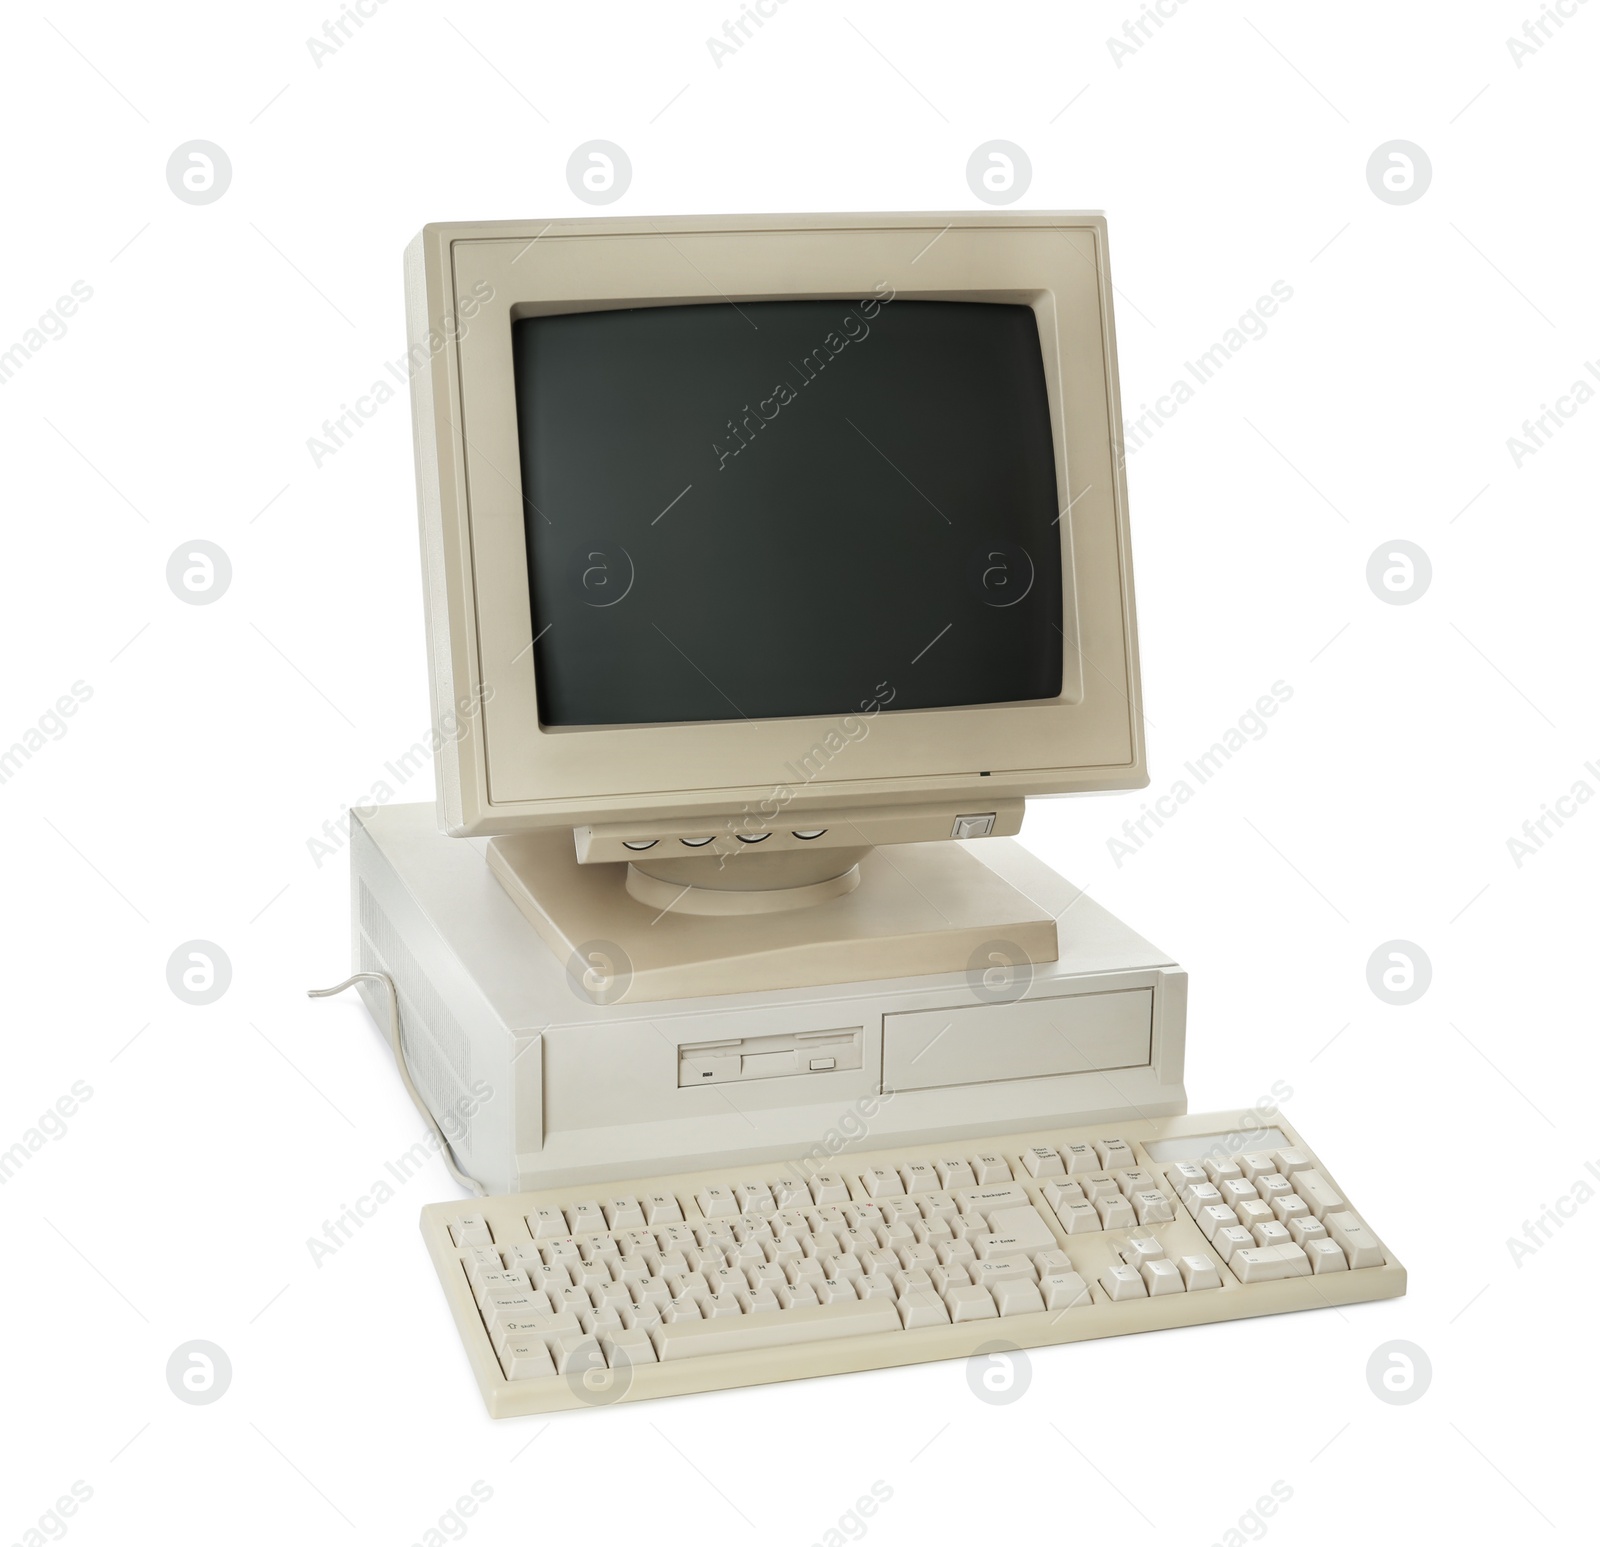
(770, 564)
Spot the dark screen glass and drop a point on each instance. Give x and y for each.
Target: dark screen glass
(787, 508)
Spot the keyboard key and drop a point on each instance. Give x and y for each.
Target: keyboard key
(526, 1358)
(991, 1167)
(1292, 1160)
(1215, 1217)
(1318, 1192)
(1262, 1264)
(1079, 1158)
(1270, 1234)
(470, 1230)
(1140, 1249)
(1162, 1276)
(1059, 1194)
(1116, 1214)
(1026, 1224)
(754, 1198)
(1360, 1246)
(790, 1193)
(1237, 1191)
(1185, 1173)
(1115, 1155)
(1254, 1212)
(661, 1208)
(969, 1303)
(923, 1308)
(1121, 1282)
(716, 1202)
(1064, 1291)
(1306, 1229)
(1199, 1273)
(829, 1187)
(1041, 1160)
(1220, 1169)
(992, 1270)
(1231, 1239)
(982, 1199)
(1326, 1257)
(1017, 1297)
(575, 1352)
(585, 1218)
(881, 1182)
(623, 1214)
(776, 1329)
(627, 1348)
(1152, 1207)
(1262, 1163)
(954, 1173)
(1201, 1195)
(918, 1176)
(1079, 1219)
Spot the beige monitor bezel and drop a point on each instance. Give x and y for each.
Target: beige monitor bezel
(499, 770)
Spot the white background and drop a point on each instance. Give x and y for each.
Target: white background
(1229, 151)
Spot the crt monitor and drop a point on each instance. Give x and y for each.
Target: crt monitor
(771, 529)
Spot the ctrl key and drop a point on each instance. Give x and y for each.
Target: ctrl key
(526, 1358)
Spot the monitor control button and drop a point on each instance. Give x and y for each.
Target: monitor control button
(752, 837)
(639, 843)
(697, 843)
(973, 826)
(807, 834)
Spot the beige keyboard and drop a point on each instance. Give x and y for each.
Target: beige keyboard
(587, 1295)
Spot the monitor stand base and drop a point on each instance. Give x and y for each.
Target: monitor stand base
(915, 909)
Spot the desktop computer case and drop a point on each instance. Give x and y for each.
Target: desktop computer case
(536, 1085)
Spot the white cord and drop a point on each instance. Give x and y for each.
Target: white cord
(400, 1064)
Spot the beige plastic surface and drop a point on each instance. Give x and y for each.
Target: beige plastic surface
(925, 910)
(467, 283)
(1089, 1254)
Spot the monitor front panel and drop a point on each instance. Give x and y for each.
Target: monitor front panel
(702, 496)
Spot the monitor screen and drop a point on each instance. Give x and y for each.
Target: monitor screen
(782, 508)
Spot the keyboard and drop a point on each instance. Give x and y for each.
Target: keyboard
(591, 1294)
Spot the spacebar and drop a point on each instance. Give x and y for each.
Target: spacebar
(775, 1329)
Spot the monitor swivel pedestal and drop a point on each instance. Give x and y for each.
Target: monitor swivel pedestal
(747, 921)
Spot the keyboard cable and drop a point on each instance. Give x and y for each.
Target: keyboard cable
(445, 1151)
